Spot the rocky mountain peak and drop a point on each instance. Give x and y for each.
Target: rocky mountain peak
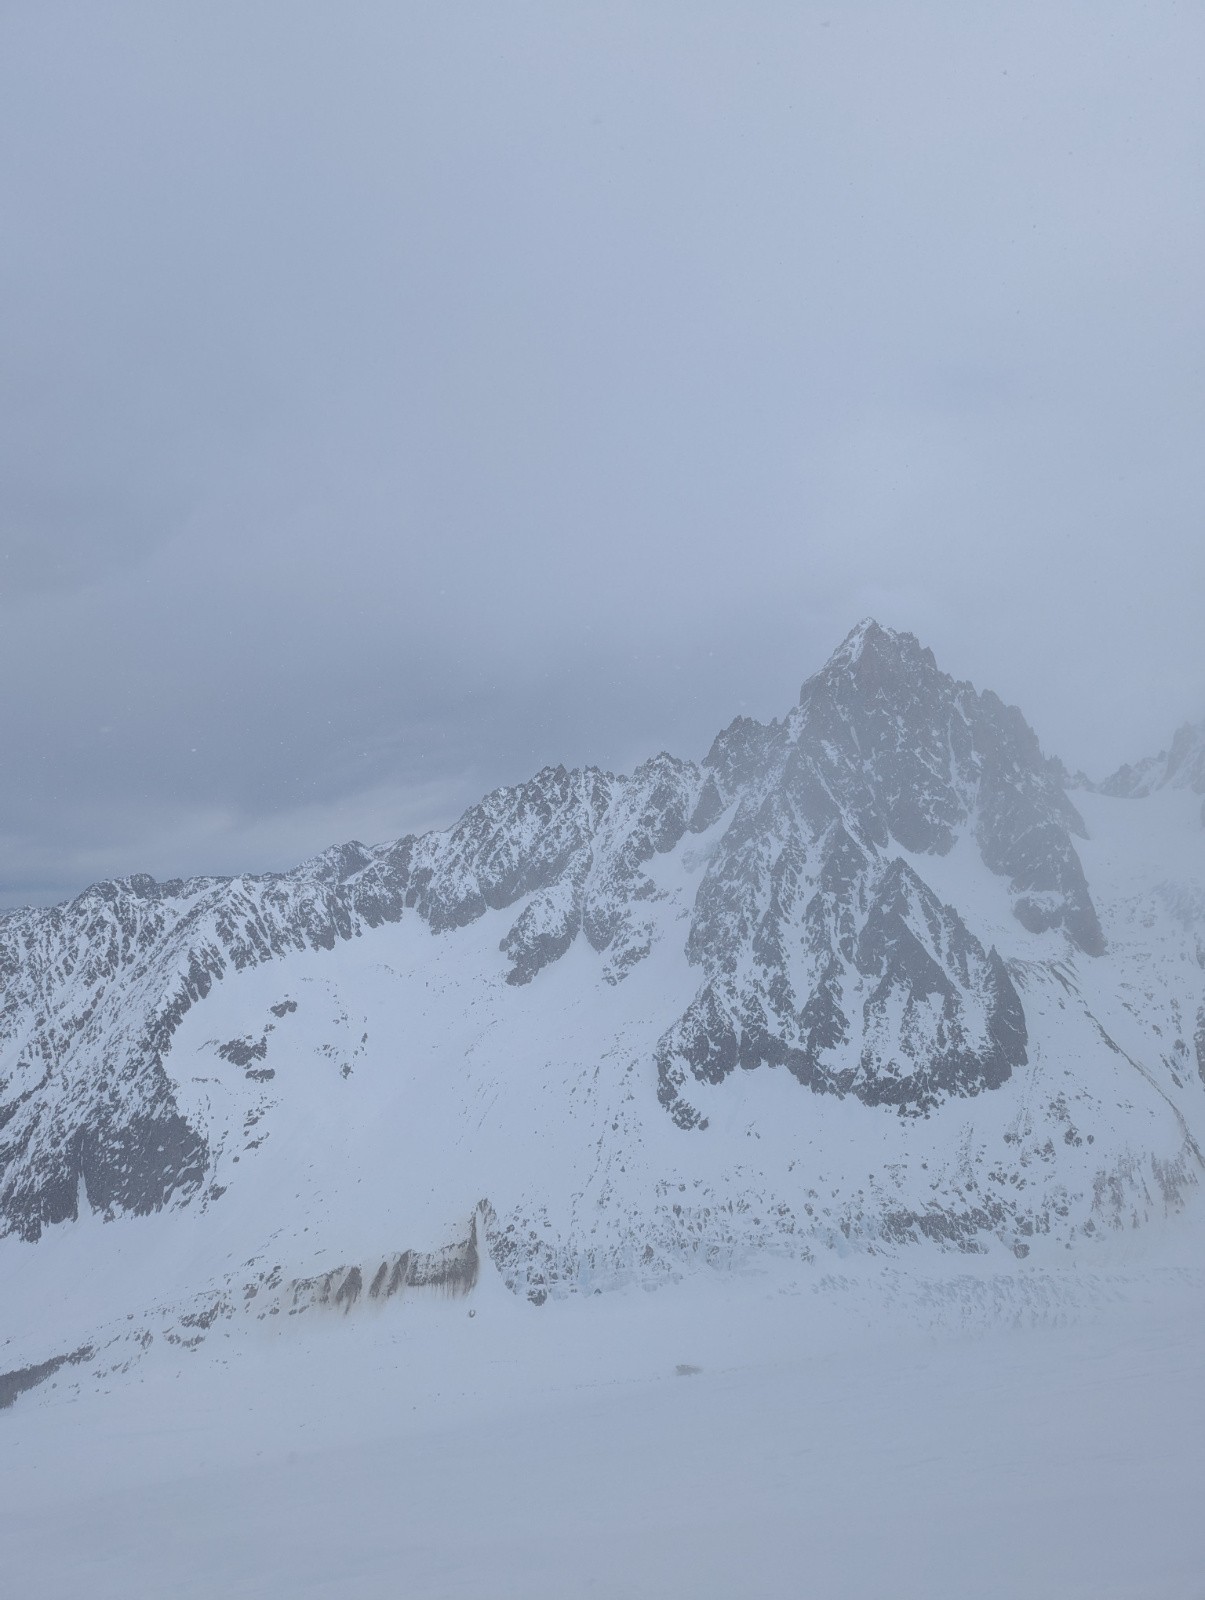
(806, 891)
(810, 933)
(870, 654)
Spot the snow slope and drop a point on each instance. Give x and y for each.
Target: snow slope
(846, 1434)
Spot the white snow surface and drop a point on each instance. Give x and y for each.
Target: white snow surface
(845, 1434)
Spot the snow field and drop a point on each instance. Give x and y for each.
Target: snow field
(827, 1445)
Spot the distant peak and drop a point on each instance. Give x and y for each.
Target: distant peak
(867, 632)
(870, 637)
(871, 642)
(868, 659)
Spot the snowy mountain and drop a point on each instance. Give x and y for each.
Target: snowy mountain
(1181, 767)
(861, 979)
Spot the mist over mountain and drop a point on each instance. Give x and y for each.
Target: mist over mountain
(864, 976)
(1180, 767)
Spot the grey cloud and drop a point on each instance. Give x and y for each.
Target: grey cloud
(396, 399)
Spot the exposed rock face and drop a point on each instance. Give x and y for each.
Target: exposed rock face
(818, 946)
(822, 949)
(94, 991)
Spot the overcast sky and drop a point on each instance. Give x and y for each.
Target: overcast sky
(396, 398)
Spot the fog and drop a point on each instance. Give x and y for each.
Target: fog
(395, 399)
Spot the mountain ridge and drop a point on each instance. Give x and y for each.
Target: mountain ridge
(1181, 766)
(874, 908)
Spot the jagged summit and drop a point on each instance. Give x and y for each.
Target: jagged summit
(885, 647)
(867, 634)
